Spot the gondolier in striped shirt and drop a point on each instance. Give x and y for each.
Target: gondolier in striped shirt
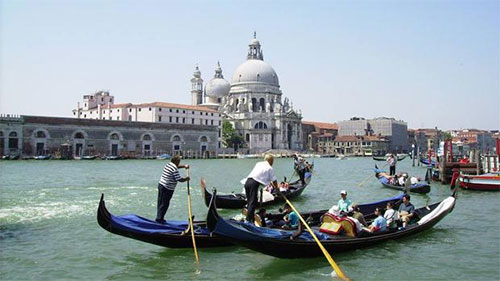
(167, 184)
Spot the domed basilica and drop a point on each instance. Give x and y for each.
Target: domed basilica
(252, 102)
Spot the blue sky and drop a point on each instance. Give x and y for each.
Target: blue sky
(429, 63)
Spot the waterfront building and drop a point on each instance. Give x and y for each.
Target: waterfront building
(318, 136)
(253, 103)
(474, 139)
(37, 135)
(101, 106)
(358, 145)
(396, 131)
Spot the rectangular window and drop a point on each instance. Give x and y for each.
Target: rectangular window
(139, 109)
(170, 109)
(201, 113)
(192, 120)
(212, 122)
(192, 112)
(183, 120)
(170, 119)
(212, 114)
(159, 118)
(150, 109)
(159, 109)
(117, 117)
(183, 111)
(176, 119)
(84, 115)
(219, 122)
(206, 113)
(130, 110)
(176, 111)
(111, 111)
(206, 122)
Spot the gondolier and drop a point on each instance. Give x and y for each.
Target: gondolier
(392, 164)
(167, 184)
(262, 174)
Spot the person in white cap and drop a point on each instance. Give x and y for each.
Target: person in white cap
(345, 205)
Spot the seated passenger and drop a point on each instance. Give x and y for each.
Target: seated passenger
(406, 210)
(261, 217)
(379, 224)
(291, 218)
(358, 215)
(414, 180)
(284, 186)
(391, 216)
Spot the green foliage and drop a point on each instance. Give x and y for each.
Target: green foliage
(447, 136)
(230, 138)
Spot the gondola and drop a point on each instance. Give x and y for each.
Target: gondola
(279, 243)
(425, 161)
(172, 234)
(419, 187)
(239, 200)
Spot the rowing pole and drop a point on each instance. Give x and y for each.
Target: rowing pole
(361, 183)
(191, 221)
(335, 267)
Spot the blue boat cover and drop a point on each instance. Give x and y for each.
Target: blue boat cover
(137, 224)
(274, 233)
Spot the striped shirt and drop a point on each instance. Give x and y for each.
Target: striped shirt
(170, 176)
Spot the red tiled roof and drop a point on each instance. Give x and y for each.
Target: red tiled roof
(322, 125)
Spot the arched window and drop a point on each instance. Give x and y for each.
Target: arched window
(176, 138)
(13, 142)
(260, 125)
(79, 135)
(255, 107)
(114, 136)
(203, 139)
(262, 102)
(13, 135)
(40, 135)
(146, 137)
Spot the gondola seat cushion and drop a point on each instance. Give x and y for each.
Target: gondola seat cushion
(336, 225)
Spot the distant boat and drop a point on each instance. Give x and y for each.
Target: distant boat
(42, 157)
(87, 157)
(400, 157)
(163, 156)
(425, 161)
(112, 157)
(10, 157)
(341, 157)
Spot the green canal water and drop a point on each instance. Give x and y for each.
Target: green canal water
(48, 227)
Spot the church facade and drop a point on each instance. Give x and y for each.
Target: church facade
(253, 103)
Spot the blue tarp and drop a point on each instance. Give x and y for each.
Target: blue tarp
(139, 224)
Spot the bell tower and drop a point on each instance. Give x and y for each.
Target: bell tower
(196, 87)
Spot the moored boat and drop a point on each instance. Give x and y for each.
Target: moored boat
(172, 234)
(400, 157)
(42, 157)
(425, 161)
(287, 244)
(486, 182)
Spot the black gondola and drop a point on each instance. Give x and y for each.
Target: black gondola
(239, 200)
(173, 234)
(278, 242)
(419, 187)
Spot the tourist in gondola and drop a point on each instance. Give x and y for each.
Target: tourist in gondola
(406, 210)
(358, 215)
(379, 224)
(291, 218)
(261, 174)
(390, 215)
(392, 164)
(168, 181)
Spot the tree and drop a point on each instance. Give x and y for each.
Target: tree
(230, 138)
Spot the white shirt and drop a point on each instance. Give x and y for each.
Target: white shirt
(390, 215)
(262, 173)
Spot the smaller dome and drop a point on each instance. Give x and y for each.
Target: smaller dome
(217, 87)
(255, 42)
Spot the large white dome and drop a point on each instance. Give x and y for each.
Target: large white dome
(217, 87)
(255, 70)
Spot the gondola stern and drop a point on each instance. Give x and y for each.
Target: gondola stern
(205, 193)
(212, 215)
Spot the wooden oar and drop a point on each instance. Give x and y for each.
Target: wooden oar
(191, 221)
(335, 267)
(363, 182)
